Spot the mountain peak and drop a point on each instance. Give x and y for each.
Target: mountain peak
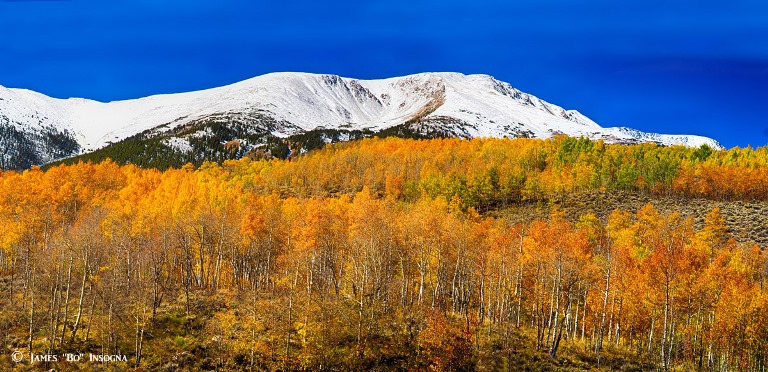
(447, 103)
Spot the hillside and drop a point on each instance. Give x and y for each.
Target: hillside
(394, 254)
(744, 220)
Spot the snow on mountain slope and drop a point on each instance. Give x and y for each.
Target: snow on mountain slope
(464, 105)
(32, 130)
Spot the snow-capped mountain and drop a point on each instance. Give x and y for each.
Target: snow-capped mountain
(284, 104)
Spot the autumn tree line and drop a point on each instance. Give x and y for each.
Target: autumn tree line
(384, 253)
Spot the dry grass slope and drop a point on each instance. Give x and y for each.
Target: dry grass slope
(747, 220)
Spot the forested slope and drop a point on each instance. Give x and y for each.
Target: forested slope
(388, 254)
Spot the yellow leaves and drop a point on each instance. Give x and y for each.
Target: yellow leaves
(648, 216)
(714, 235)
(188, 167)
(287, 280)
(747, 261)
(394, 186)
(737, 263)
(307, 332)
(227, 323)
(455, 206)
(10, 234)
(251, 224)
(95, 277)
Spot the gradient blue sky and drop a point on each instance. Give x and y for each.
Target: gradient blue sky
(694, 67)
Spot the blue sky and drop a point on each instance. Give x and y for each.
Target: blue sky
(665, 66)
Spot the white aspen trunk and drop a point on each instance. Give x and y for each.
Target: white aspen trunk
(54, 312)
(66, 301)
(606, 292)
(554, 328)
(650, 336)
(90, 315)
(584, 317)
(31, 312)
(82, 294)
(664, 328)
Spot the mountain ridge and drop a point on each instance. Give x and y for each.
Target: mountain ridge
(446, 103)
